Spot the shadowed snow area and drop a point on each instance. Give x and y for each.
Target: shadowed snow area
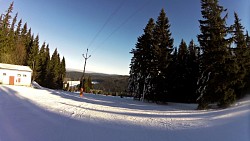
(44, 114)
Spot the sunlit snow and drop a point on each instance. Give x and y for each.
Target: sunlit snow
(48, 115)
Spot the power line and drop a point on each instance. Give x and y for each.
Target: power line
(106, 22)
(97, 34)
(122, 24)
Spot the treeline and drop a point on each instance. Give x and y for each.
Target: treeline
(20, 47)
(215, 71)
(103, 83)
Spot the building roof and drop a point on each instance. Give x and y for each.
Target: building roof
(15, 67)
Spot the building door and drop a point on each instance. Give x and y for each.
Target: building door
(11, 80)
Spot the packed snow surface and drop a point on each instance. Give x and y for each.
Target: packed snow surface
(32, 114)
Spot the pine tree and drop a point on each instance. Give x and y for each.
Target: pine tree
(18, 46)
(62, 73)
(151, 58)
(27, 41)
(12, 27)
(55, 70)
(172, 73)
(217, 65)
(12, 42)
(48, 76)
(33, 60)
(5, 44)
(192, 71)
(241, 54)
(238, 33)
(43, 65)
(182, 53)
(181, 70)
(88, 84)
(163, 46)
(140, 67)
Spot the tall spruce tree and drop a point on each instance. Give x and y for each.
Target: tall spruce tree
(5, 41)
(55, 70)
(151, 58)
(181, 70)
(20, 53)
(33, 59)
(12, 42)
(238, 33)
(140, 67)
(217, 64)
(163, 46)
(177, 74)
(241, 54)
(43, 64)
(192, 71)
(48, 71)
(63, 73)
(172, 73)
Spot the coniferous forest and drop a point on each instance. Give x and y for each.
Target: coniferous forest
(214, 72)
(19, 46)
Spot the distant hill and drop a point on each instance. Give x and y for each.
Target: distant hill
(108, 83)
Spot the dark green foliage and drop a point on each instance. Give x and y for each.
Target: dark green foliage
(44, 60)
(141, 62)
(163, 46)
(88, 84)
(157, 72)
(54, 69)
(151, 57)
(33, 60)
(62, 72)
(193, 74)
(6, 46)
(238, 33)
(218, 66)
(18, 46)
(183, 72)
(214, 72)
(242, 54)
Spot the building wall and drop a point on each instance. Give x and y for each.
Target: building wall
(22, 78)
(73, 83)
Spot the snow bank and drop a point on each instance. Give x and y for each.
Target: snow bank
(114, 118)
(34, 84)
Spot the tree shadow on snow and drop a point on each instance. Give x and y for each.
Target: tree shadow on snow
(183, 111)
(22, 120)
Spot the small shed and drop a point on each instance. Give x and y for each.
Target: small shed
(15, 75)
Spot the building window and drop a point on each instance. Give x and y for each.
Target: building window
(24, 75)
(18, 75)
(4, 74)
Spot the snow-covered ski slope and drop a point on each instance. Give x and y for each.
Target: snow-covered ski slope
(28, 114)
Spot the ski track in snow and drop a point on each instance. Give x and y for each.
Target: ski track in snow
(116, 111)
(112, 109)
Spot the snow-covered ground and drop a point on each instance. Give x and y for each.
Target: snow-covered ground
(29, 114)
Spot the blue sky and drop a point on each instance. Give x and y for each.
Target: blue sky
(110, 28)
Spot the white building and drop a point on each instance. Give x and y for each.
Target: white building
(73, 83)
(15, 75)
